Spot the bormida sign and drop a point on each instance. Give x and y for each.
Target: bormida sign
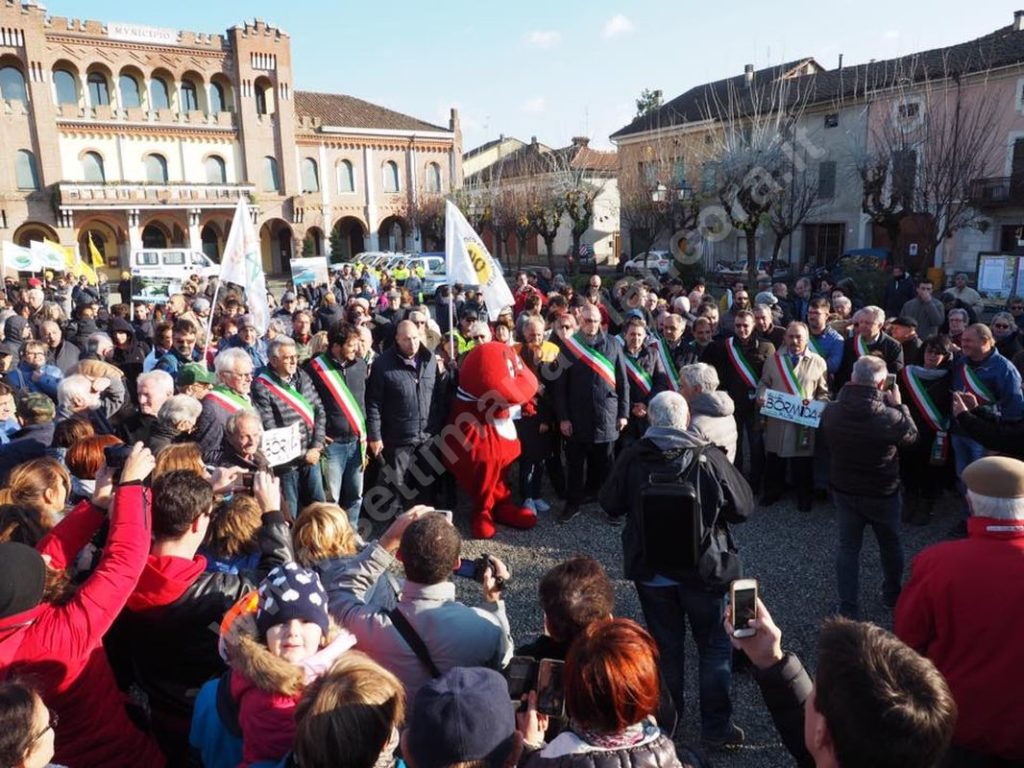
(139, 33)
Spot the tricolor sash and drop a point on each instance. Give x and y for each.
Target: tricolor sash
(923, 401)
(638, 375)
(816, 344)
(228, 399)
(740, 363)
(330, 375)
(860, 347)
(593, 359)
(288, 394)
(974, 385)
(788, 374)
(668, 364)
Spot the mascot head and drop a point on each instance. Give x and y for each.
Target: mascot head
(493, 373)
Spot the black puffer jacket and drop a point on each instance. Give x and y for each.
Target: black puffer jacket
(863, 434)
(658, 753)
(405, 405)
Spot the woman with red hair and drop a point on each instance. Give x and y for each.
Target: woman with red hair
(611, 695)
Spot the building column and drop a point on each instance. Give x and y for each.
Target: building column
(86, 96)
(369, 179)
(195, 239)
(134, 232)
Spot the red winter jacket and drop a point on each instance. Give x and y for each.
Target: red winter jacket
(60, 648)
(961, 609)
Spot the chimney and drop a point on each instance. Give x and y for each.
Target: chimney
(1018, 21)
(453, 119)
(657, 95)
(748, 74)
(533, 141)
(580, 141)
(840, 61)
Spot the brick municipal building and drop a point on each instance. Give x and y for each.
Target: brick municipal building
(146, 137)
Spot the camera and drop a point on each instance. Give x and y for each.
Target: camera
(475, 569)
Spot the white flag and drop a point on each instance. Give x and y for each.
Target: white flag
(16, 258)
(470, 263)
(243, 265)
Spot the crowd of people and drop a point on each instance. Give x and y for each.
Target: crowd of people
(222, 541)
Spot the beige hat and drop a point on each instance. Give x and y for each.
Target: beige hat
(999, 477)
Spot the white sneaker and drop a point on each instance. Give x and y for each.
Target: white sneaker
(541, 506)
(531, 505)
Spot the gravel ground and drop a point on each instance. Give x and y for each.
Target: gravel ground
(791, 553)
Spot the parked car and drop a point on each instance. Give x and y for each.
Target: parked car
(651, 261)
(861, 259)
(726, 274)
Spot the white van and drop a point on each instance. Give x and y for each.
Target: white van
(159, 273)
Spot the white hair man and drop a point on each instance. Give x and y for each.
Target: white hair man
(693, 584)
(957, 609)
(78, 395)
(869, 339)
(234, 371)
(153, 388)
(711, 410)
(243, 435)
(865, 428)
(175, 421)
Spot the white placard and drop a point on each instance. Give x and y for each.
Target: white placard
(282, 445)
(991, 278)
(786, 407)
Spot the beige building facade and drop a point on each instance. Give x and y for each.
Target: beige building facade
(140, 136)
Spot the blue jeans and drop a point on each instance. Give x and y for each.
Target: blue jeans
(965, 451)
(853, 515)
(343, 464)
(666, 610)
(300, 486)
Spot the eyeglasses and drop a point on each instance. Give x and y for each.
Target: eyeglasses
(1000, 325)
(51, 724)
(242, 375)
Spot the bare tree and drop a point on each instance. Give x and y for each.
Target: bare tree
(546, 217)
(933, 139)
(427, 213)
(797, 202)
(752, 151)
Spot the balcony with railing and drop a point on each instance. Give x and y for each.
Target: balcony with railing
(106, 113)
(77, 194)
(998, 192)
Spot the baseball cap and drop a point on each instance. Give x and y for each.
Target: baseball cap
(465, 715)
(905, 322)
(195, 373)
(34, 282)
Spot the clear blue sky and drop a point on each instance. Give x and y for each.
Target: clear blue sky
(558, 68)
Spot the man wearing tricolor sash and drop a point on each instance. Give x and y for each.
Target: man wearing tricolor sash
(646, 378)
(925, 465)
(231, 393)
(869, 339)
(339, 376)
(673, 350)
(994, 382)
(284, 395)
(796, 370)
(739, 361)
(591, 396)
(824, 339)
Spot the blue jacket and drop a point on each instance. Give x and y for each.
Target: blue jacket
(1001, 378)
(26, 444)
(257, 352)
(21, 379)
(830, 346)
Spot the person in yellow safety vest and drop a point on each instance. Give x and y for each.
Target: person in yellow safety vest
(400, 273)
(463, 336)
(420, 271)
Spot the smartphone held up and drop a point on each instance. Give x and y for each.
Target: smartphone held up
(743, 601)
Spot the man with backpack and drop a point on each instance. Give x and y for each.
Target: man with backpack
(679, 494)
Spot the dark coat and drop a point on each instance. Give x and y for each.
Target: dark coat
(785, 687)
(130, 357)
(913, 351)
(897, 293)
(277, 413)
(863, 435)
(355, 375)
(726, 498)
(328, 316)
(885, 346)
(584, 398)
(405, 405)
(756, 351)
(27, 443)
(65, 356)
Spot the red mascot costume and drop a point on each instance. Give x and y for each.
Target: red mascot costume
(492, 378)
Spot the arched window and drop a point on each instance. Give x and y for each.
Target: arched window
(156, 169)
(217, 98)
(310, 175)
(189, 96)
(390, 169)
(159, 98)
(261, 101)
(346, 180)
(130, 96)
(433, 177)
(66, 86)
(98, 93)
(12, 85)
(153, 237)
(92, 167)
(25, 170)
(211, 243)
(216, 171)
(271, 182)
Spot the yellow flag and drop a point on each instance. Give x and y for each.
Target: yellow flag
(94, 254)
(74, 263)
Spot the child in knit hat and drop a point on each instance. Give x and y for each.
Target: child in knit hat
(275, 652)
